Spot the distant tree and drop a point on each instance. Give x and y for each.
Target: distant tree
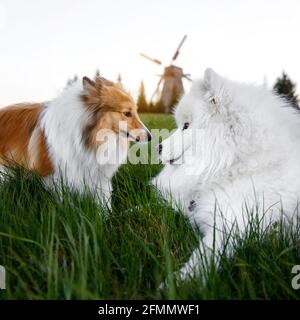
(158, 107)
(119, 78)
(97, 73)
(151, 106)
(119, 81)
(285, 87)
(142, 101)
(72, 80)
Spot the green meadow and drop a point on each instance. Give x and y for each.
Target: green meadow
(65, 247)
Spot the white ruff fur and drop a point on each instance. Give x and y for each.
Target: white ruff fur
(63, 121)
(244, 157)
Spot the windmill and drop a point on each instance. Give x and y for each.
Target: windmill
(170, 80)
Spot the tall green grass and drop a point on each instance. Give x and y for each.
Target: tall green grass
(63, 246)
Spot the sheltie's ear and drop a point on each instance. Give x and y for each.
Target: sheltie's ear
(91, 91)
(100, 82)
(88, 84)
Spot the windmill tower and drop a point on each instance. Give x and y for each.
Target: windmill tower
(170, 80)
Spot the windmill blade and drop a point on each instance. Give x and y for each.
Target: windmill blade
(157, 89)
(151, 59)
(178, 49)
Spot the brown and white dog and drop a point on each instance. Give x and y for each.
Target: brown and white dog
(67, 136)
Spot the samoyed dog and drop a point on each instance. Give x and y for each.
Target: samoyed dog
(236, 150)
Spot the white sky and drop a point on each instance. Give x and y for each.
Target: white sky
(44, 42)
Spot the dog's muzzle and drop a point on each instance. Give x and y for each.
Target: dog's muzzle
(143, 135)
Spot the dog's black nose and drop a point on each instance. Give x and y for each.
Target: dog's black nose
(159, 148)
(149, 136)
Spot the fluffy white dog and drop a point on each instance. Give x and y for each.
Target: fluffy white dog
(236, 150)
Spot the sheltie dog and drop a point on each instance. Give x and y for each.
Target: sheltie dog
(68, 136)
(235, 153)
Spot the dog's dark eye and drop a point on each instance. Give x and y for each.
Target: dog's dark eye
(127, 114)
(185, 126)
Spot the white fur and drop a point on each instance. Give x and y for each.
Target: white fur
(63, 121)
(241, 152)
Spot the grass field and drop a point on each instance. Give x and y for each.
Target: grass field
(70, 249)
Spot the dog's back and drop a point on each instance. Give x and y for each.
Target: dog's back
(21, 139)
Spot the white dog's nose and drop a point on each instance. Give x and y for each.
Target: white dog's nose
(159, 148)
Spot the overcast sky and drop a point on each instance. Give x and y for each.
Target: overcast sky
(44, 42)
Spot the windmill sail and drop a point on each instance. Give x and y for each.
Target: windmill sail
(151, 59)
(171, 80)
(178, 49)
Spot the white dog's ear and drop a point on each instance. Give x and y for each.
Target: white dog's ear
(211, 78)
(215, 83)
(216, 86)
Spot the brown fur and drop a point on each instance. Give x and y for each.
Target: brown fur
(21, 139)
(23, 142)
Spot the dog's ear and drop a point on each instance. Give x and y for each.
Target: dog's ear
(215, 83)
(88, 84)
(91, 91)
(211, 78)
(100, 83)
(217, 88)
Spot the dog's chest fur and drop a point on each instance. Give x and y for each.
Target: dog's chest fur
(63, 121)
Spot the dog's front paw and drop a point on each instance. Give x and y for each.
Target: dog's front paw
(186, 273)
(163, 286)
(176, 278)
